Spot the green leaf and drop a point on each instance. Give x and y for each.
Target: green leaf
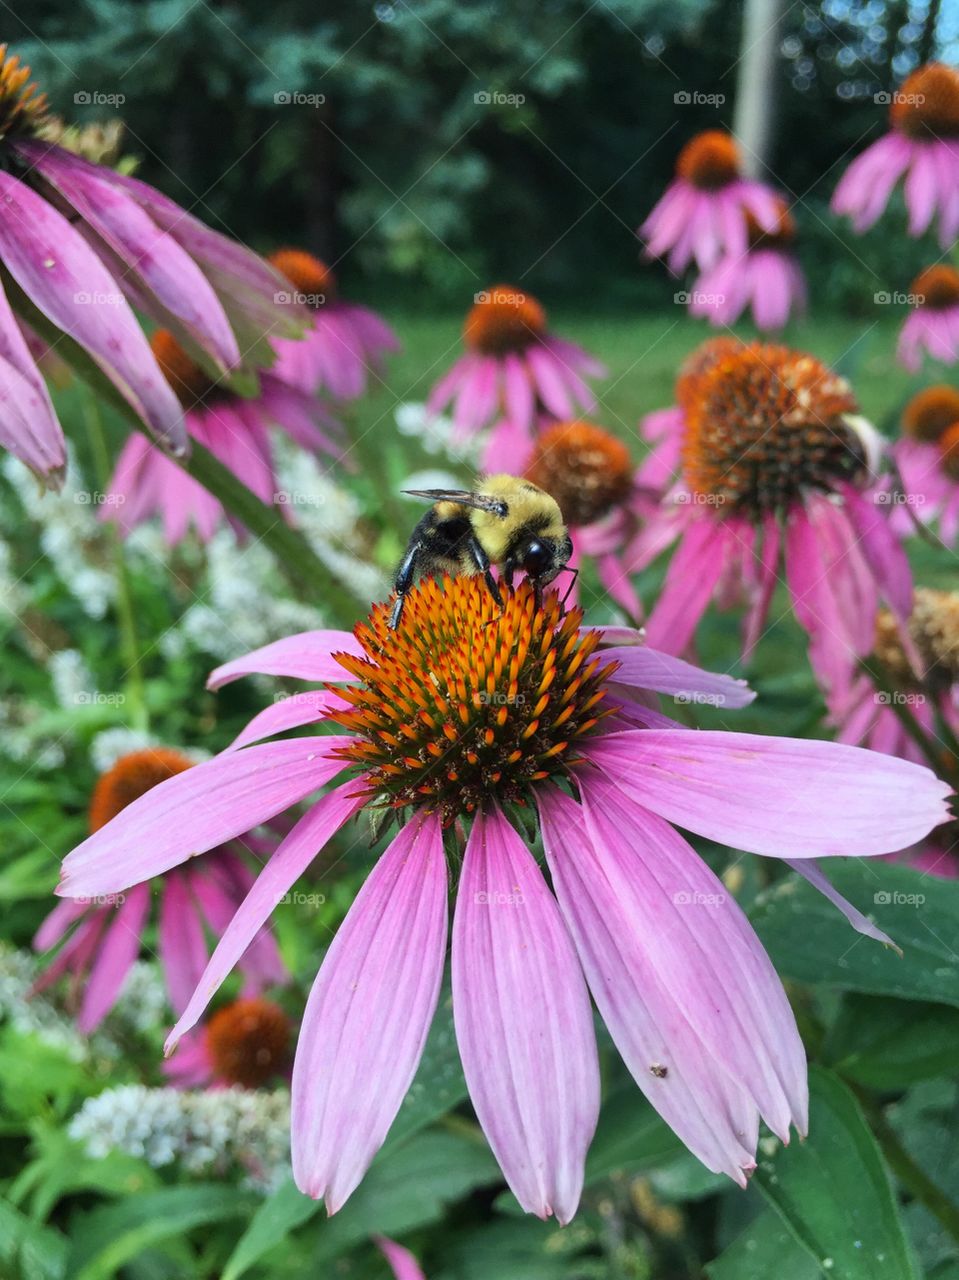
(834, 1194)
(630, 1136)
(888, 1044)
(810, 941)
(764, 1249)
(29, 1250)
(110, 1236)
(281, 1213)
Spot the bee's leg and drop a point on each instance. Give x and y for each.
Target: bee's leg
(405, 577)
(482, 562)
(572, 583)
(507, 571)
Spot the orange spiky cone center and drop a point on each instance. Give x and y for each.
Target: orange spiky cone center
(248, 1041)
(192, 384)
(927, 104)
(949, 451)
(503, 319)
(937, 286)
(710, 160)
(24, 110)
(587, 470)
(131, 777)
(699, 362)
(782, 238)
(309, 275)
(462, 705)
(930, 412)
(764, 424)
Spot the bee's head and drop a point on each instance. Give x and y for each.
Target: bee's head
(541, 557)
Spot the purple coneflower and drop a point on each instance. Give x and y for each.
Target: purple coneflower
(402, 1263)
(933, 325)
(927, 457)
(470, 717)
(775, 457)
(701, 217)
(82, 246)
(237, 430)
(923, 146)
(591, 475)
(245, 1043)
(196, 902)
(515, 374)
(344, 342)
(766, 278)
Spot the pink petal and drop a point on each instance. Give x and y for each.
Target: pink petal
(660, 672)
(523, 1021)
(289, 713)
(28, 422)
(183, 949)
(60, 273)
(368, 1015)
(196, 810)
(305, 656)
(882, 550)
(690, 580)
(118, 949)
(402, 1262)
(810, 870)
(293, 855)
(711, 1113)
(787, 797)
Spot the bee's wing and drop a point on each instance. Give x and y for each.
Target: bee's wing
(480, 501)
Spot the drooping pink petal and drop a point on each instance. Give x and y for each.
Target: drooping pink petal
(183, 949)
(28, 422)
(690, 580)
(711, 1113)
(523, 1021)
(402, 1262)
(196, 810)
(704, 952)
(810, 870)
(291, 858)
(305, 656)
(368, 1015)
(786, 797)
(882, 550)
(63, 277)
(289, 713)
(117, 951)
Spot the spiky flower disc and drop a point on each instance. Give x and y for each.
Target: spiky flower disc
(191, 383)
(934, 630)
(937, 287)
(585, 468)
(463, 704)
(710, 160)
(930, 412)
(248, 1041)
(927, 104)
(130, 778)
(764, 424)
(700, 361)
(503, 319)
(309, 275)
(23, 109)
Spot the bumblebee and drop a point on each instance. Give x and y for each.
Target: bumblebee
(507, 522)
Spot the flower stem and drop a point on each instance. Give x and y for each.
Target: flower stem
(129, 640)
(884, 685)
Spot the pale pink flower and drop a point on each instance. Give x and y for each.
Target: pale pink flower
(702, 216)
(146, 482)
(515, 374)
(452, 720)
(344, 342)
(246, 1043)
(84, 246)
(775, 459)
(922, 147)
(402, 1263)
(933, 325)
(100, 936)
(766, 278)
(927, 459)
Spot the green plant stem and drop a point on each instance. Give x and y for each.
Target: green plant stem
(126, 615)
(909, 1173)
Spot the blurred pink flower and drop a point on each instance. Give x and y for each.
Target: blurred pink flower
(83, 246)
(702, 215)
(923, 147)
(245, 1043)
(457, 716)
(933, 325)
(402, 1263)
(774, 460)
(766, 278)
(195, 902)
(146, 482)
(515, 375)
(344, 342)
